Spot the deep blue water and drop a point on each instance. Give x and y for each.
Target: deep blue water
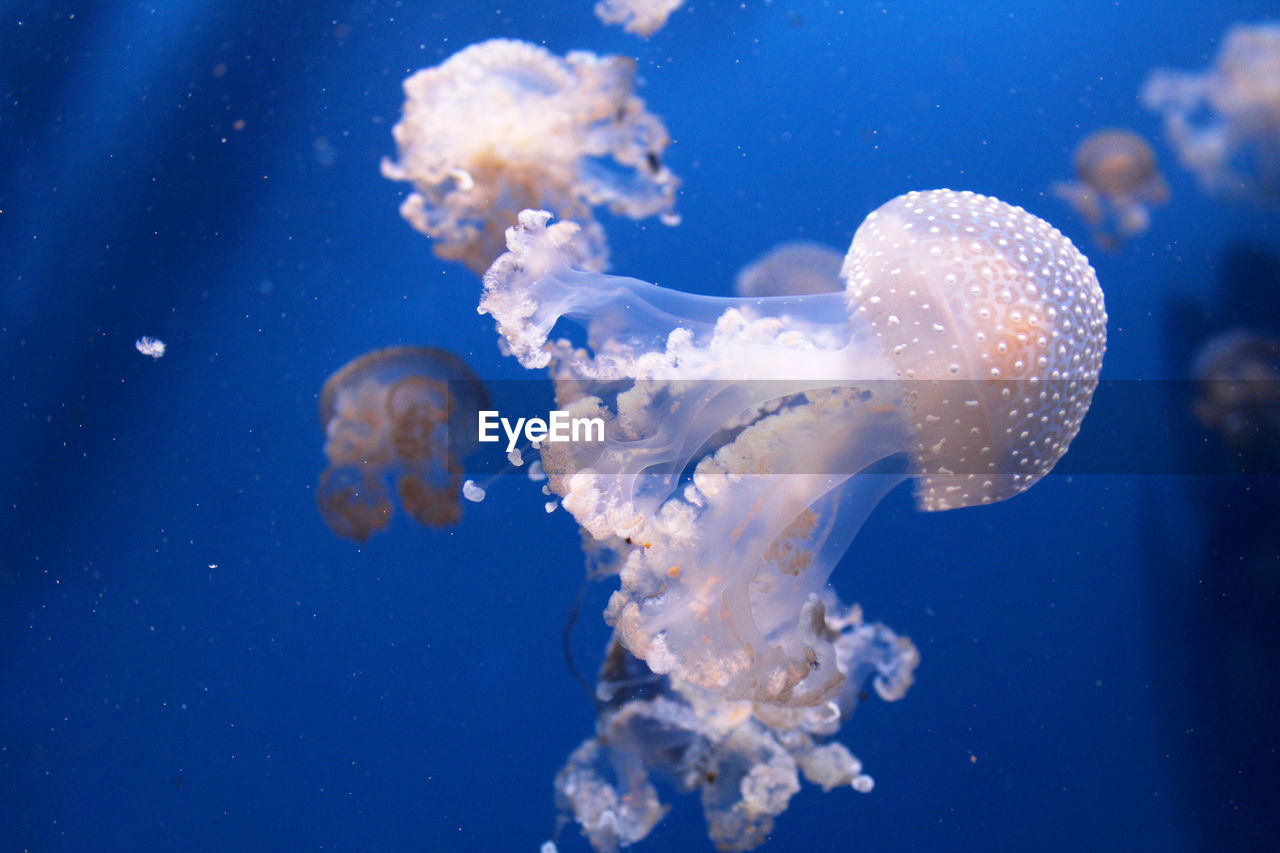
(1098, 656)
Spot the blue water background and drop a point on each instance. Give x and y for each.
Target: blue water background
(189, 660)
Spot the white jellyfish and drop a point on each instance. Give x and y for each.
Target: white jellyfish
(747, 439)
(503, 125)
(1224, 122)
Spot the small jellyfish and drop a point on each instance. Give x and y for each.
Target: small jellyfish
(1118, 184)
(504, 125)
(1224, 122)
(747, 439)
(1237, 383)
(148, 345)
(640, 17)
(387, 415)
(792, 269)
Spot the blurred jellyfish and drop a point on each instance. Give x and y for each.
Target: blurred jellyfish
(148, 345)
(1118, 183)
(641, 17)
(504, 125)
(791, 269)
(745, 760)
(747, 439)
(387, 415)
(1224, 122)
(1237, 382)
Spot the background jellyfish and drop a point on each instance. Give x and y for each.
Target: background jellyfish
(791, 269)
(1224, 122)
(747, 439)
(504, 125)
(1118, 183)
(387, 415)
(1237, 381)
(641, 17)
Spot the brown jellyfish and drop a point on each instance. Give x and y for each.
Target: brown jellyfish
(1118, 184)
(386, 416)
(1237, 385)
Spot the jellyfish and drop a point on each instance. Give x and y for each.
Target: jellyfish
(503, 125)
(791, 269)
(747, 439)
(1118, 184)
(1224, 122)
(1237, 383)
(640, 17)
(387, 415)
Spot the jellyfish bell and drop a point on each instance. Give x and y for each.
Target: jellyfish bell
(997, 323)
(1118, 182)
(399, 414)
(1115, 161)
(747, 439)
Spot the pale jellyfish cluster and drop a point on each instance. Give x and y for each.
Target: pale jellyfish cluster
(505, 125)
(1117, 184)
(641, 17)
(1224, 122)
(748, 438)
(793, 268)
(386, 416)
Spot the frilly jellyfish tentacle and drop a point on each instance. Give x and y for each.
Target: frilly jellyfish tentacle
(745, 760)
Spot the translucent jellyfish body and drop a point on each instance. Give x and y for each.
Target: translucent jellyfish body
(386, 416)
(1224, 122)
(747, 439)
(793, 268)
(1117, 185)
(504, 125)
